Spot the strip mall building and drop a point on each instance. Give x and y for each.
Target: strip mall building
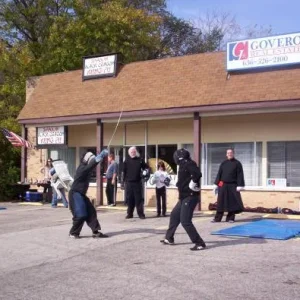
(191, 101)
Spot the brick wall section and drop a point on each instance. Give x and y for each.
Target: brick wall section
(36, 158)
(265, 199)
(191, 80)
(252, 199)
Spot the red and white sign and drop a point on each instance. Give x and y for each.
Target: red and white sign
(264, 52)
(53, 135)
(276, 182)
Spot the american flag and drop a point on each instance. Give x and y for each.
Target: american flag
(15, 139)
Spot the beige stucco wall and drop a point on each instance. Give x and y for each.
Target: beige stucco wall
(85, 135)
(159, 132)
(179, 131)
(247, 128)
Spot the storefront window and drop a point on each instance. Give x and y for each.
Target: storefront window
(118, 151)
(284, 162)
(190, 148)
(165, 153)
(151, 158)
(249, 154)
(67, 155)
(158, 152)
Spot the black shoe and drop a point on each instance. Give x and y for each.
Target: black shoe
(99, 235)
(128, 217)
(142, 217)
(164, 215)
(198, 247)
(167, 242)
(215, 221)
(158, 215)
(74, 236)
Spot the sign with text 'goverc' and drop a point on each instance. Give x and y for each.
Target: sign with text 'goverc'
(272, 51)
(99, 66)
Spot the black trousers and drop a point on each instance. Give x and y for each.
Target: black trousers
(134, 198)
(82, 211)
(219, 215)
(228, 200)
(111, 190)
(183, 213)
(161, 200)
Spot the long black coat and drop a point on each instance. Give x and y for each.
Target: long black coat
(229, 177)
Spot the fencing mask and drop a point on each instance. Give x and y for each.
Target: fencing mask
(180, 155)
(87, 158)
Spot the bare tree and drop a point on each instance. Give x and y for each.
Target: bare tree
(231, 30)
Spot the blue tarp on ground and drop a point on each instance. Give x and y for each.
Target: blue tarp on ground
(265, 229)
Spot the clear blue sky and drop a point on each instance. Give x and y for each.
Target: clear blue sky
(282, 15)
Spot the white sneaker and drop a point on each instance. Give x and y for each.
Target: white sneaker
(74, 236)
(167, 242)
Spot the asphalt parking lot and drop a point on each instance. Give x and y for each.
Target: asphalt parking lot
(39, 261)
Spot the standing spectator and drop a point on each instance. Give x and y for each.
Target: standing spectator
(46, 173)
(229, 182)
(46, 169)
(111, 180)
(134, 170)
(161, 179)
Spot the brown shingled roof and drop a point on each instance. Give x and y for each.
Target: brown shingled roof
(192, 80)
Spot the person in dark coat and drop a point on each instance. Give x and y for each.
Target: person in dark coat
(134, 171)
(229, 182)
(80, 205)
(188, 185)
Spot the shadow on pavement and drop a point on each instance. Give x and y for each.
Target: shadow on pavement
(137, 230)
(231, 242)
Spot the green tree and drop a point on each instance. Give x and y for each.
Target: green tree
(111, 28)
(13, 62)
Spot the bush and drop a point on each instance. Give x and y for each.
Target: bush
(9, 169)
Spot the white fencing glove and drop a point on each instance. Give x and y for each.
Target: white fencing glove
(194, 186)
(239, 188)
(215, 189)
(153, 179)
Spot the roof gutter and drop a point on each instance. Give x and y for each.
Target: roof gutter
(175, 111)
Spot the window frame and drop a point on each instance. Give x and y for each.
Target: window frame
(286, 145)
(257, 169)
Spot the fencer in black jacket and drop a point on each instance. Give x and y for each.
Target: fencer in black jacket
(188, 185)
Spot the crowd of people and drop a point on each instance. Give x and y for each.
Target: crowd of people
(229, 183)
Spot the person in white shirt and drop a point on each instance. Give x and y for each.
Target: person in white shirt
(161, 179)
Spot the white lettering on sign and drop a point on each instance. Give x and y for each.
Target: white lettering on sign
(264, 52)
(103, 65)
(51, 135)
